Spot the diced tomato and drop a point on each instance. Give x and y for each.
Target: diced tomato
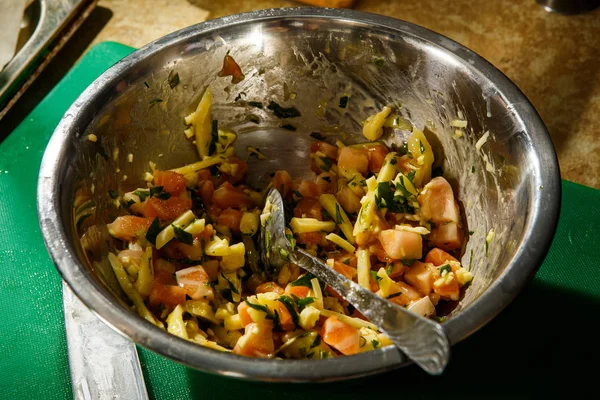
(203, 175)
(282, 181)
(308, 189)
(168, 295)
(326, 182)
(344, 269)
(341, 336)
(206, 189)
(449, 289)
(407, 294)
(230, 218)
(240, 172)
(126, 226)
(227, 196)
(196, 283)
(257, 340)
(401, 245)
(376, 154)
(168, 209)
(398, 269)
(309, 207)
(243, 312)
(377, 250)
(269, 287)
(354, 159)
(163, 271)
(446, 236)
(438, 257)
(348, 200)
(329, 150)
(171, 182)
(419, 275)
(298, 291)
(231, 68)
(437, 202)
(313, 238)
(285, 318)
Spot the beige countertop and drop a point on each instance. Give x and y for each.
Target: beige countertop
(554, 59)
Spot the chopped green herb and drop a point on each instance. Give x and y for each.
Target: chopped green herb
(297, 194)
(302, 303)
(389, 269)
(289, 304)
(173, 79)
(487, 247)
(289, 127)
(471, 232)
(290, 238)
(375, 343)
(154, 101)
(256, 104)
(276, 322)
(214, 133)
(472, 169)
(153, 231)
(346, 261)
(316, 342)
(411, 175)
(343, 102)
(304, 280)
(283, 112)
(326, 178)
(391, 296)
(375, 277)
(317, 136)
(146, 84)
(182, 236)
(113, 194)
(421, 147)
(130, 202)
(159, 193)
(142, 194)
(445, 267)
(258, 307)
(327, 164)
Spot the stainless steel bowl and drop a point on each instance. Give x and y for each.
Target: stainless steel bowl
(309, 58)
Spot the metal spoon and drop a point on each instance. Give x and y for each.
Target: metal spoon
(422, 340)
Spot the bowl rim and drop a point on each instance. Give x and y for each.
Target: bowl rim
(538, 233)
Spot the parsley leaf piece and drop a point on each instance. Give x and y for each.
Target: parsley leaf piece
(153, 231)
(375, 277)
(316, 342)
(231, 285)
(173, 79)
(303, 303)
(182, 236)
(142, 194)
(338, 215)
(214, 134)
(154, 101)
(113, 194)
(343, 102)
(283, 112)
(391, 296)
(289, 304)
(159, 193)
(259, 307)
(445, 267)
(327, 164)
(304, 280)
(375, 343)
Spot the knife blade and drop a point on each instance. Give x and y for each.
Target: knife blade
(103, 364)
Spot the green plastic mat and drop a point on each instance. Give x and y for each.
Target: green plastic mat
(540, 346)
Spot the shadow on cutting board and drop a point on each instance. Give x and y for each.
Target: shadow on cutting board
(540, 346)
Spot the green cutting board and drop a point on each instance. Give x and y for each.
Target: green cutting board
(540, 346)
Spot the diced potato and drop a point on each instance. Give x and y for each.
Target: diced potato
(175, 324)
(373, 126)
(217, 247)
(249, 223)
(196, 227)
(309, 317)
(168, 233)
(235, 259)
(364, 268)
(306, 225)
(463, 276)
(233, 322)
(389, 169)
(340, 241)
(201, 309)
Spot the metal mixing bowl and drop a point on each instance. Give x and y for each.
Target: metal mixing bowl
(309, 58)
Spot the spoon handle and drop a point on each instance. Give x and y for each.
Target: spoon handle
(422, 340)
